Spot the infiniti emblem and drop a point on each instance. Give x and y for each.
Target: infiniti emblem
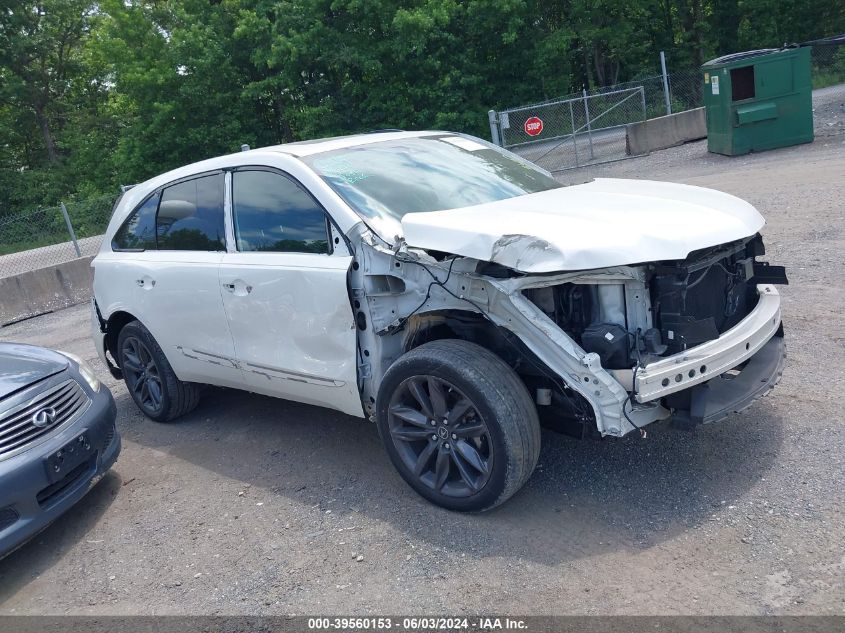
(443, 432)
(45, 417)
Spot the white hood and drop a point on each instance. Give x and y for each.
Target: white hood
(607, 222)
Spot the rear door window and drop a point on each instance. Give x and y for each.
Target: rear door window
(190, 216)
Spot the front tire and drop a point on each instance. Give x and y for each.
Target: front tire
(458, 424)
(149, 377)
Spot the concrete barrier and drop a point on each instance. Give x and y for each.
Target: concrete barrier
(666, 131)
(44, 290)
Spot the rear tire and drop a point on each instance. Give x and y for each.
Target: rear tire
(150, 379)
(458, 424)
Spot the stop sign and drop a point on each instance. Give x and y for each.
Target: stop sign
(533, 126)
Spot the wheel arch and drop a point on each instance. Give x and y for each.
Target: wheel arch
(113, 325)
(568, 405)
(467, 325)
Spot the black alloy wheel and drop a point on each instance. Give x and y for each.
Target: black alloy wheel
(458, 424)
(149, 377)
(142, 375)
(440, 436)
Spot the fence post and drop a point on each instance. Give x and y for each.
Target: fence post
(574, 138)
(494, 127)
(645, 109)
(70, 229)
(665, 83)
(589, 127)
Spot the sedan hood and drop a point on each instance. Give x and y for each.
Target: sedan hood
(607, 222)
(22, 365)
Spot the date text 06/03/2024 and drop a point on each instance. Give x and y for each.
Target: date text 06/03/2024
(416, 623)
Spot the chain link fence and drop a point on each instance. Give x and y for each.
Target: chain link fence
(588, 128)
(828, 68)
(573, 130)
(685, 92)
(44, 237)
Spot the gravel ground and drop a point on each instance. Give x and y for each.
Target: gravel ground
(252, 505)
(829, 111)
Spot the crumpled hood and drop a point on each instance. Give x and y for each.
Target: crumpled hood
(21, 365)
(607, 222)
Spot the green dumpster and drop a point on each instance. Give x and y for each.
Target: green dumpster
(758, 100)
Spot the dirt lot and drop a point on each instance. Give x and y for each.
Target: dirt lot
(253, 505)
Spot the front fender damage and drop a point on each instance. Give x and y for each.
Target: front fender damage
(393, 289)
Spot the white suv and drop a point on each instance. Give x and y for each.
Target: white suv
(446, 289)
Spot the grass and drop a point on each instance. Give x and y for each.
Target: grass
(827, 79)
(7, 248)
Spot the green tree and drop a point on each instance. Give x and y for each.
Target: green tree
(178, 77)
(40, 63)
(96, 94)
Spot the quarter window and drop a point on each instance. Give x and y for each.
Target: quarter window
(138, 232)
(272, 213)
(190, 216)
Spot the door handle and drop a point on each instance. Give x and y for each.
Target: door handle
(238, 287)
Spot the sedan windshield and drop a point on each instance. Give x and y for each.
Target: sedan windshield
(383, 181)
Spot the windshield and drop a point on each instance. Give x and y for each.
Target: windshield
(384, 181)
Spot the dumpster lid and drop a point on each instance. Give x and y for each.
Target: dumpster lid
(735, 57)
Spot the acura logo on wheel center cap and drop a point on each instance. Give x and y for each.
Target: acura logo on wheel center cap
(45, 417)
(443, 432)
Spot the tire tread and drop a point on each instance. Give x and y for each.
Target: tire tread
(516, 412)
(183, 396)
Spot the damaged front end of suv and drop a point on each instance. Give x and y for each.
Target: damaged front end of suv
(695, 339)
(604, 350)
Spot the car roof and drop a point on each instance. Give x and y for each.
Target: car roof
(317, 146)
(298, 149)
(134, 195)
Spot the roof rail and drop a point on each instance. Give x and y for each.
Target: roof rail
(125, 188)
(387, 129)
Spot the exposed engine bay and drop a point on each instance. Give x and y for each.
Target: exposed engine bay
(675, 306)
(689, 302)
